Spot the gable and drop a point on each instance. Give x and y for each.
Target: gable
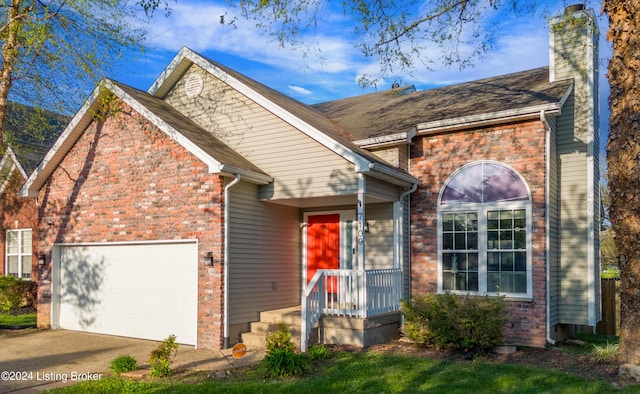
(301, 117)
(300, 165)
(197, 141)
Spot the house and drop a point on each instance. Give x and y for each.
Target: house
(197, 207)
(18, 220)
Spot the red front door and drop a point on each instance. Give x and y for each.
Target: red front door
(323, 244)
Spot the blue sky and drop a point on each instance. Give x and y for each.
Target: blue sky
(332, 71)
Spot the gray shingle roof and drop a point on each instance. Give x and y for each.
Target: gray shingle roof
(388, 112)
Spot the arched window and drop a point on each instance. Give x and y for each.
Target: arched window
(484, 231)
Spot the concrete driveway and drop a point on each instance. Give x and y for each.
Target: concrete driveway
(36, 359)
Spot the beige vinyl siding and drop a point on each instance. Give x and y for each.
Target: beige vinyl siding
(264, 253)
(382, 190)
(397, 155)
(379, 239)
(406, 249)
(301, 166)
(554, 222)
(576, 140)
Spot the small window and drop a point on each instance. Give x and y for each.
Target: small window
(484, 232)
(19, 253)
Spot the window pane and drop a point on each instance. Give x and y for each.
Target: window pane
(506, 261)
(506, 219)
(26, 267)
(461, 281)
(447, 241)
(493, 282)
(460, 241)
(502, 184)
(12, 265)
(492, 240)
(520, 282)
(520, 240)
(12, 242)
(447, 261)
(493, 261)
(472, 240)
(492, 220)
(473, 261)
(472, 221)
(506, 282)
(521, 261)
(26, 241)
(506, 239)
(447, 222)
(460, 222)
(472, 281)
(447, 281)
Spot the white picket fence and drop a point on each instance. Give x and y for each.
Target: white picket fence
(349, 293)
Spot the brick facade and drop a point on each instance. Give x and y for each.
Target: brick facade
(125, 180)
(436, 157)
(17, 213)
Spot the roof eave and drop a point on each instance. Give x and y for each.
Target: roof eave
(491, 118)
(247, 175)
(387, 140)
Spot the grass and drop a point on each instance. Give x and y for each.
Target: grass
(372, 372)
(26, 320)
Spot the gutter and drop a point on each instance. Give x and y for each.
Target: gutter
(225, 313)
(547, 216)
(487, 118)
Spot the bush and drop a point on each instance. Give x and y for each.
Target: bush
(462, 323)
(162, 356)
(123, 364)
(318, 352)
(16, 293)
(605, 353)
(281, 359)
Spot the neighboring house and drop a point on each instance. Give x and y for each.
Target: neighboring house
(195, 207)
(18, 215)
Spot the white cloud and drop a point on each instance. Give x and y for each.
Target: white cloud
(300, 90)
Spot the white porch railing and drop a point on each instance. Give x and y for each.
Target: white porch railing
(350, 293)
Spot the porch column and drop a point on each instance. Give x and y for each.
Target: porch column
(362, 189)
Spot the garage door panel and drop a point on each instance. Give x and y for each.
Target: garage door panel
(143, 291)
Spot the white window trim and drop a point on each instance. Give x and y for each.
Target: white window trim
(19, 254)
(481, 209)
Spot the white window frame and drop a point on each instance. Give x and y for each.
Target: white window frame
(19, 253)
(481, 209)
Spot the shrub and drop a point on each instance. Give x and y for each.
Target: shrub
(281, 359)
(162, 356)
(16, 293)
(605, 353)
(123, 364)
(318, 352)
(463, 323)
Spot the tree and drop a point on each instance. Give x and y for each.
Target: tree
(623, 161)
(393, 32)
(53, 52)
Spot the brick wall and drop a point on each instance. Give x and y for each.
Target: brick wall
(433, 159)
(16, 213)
(125, 180)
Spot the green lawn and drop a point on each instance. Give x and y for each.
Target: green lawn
(26, 320)
(372, 372)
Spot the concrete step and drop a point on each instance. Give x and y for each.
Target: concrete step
(270, 322)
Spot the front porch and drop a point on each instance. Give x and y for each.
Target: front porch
(359, 308)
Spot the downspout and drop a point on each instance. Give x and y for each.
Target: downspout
(547, 216)
(401, 246)
(225, 315)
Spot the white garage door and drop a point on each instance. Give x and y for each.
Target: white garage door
(147, 290)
